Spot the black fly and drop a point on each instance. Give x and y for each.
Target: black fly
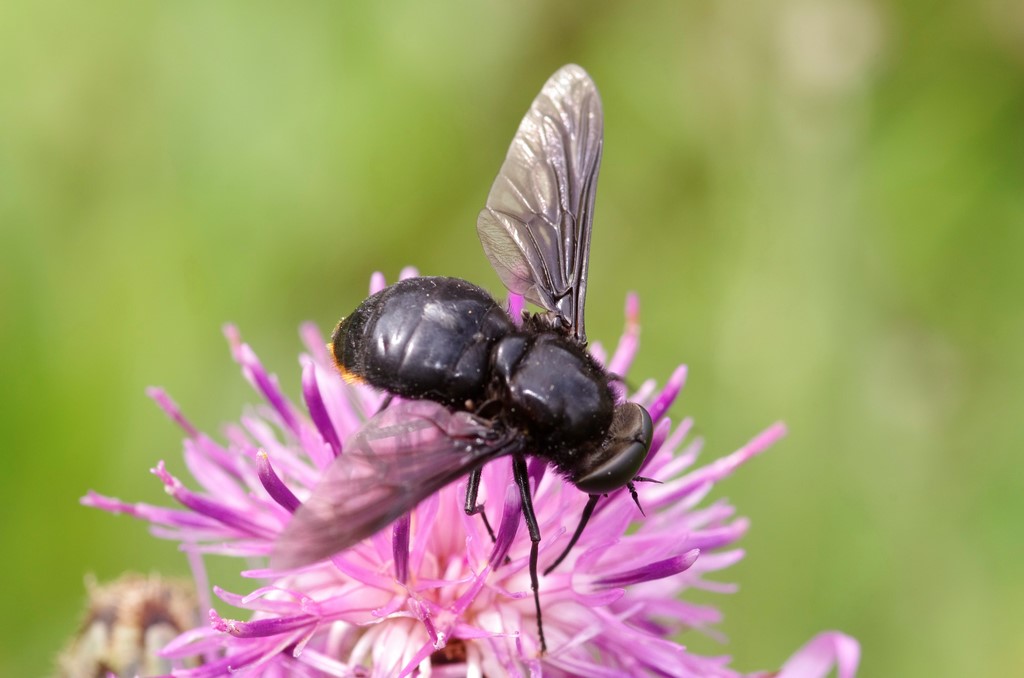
(475, 386)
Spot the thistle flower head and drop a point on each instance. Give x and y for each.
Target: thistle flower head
(432, 594)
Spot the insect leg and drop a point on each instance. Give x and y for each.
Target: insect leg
(522, 479)
(384, 403)
(472, 508)
(588, 511)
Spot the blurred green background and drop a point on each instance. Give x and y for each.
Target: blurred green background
(821, 205)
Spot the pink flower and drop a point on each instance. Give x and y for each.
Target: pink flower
(432, 595)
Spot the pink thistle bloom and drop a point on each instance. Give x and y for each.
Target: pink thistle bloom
(432, 594)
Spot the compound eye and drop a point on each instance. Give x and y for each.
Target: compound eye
(629, 441)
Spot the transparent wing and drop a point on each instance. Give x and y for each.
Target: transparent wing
(401, 456)
(536, 226)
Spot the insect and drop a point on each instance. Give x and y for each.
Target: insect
(474, 385)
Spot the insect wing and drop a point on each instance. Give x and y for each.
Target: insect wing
(536, 226)
(399, 457)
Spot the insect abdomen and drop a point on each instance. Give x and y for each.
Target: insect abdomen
(425, 337)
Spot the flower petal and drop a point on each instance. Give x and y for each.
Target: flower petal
(821, 653)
